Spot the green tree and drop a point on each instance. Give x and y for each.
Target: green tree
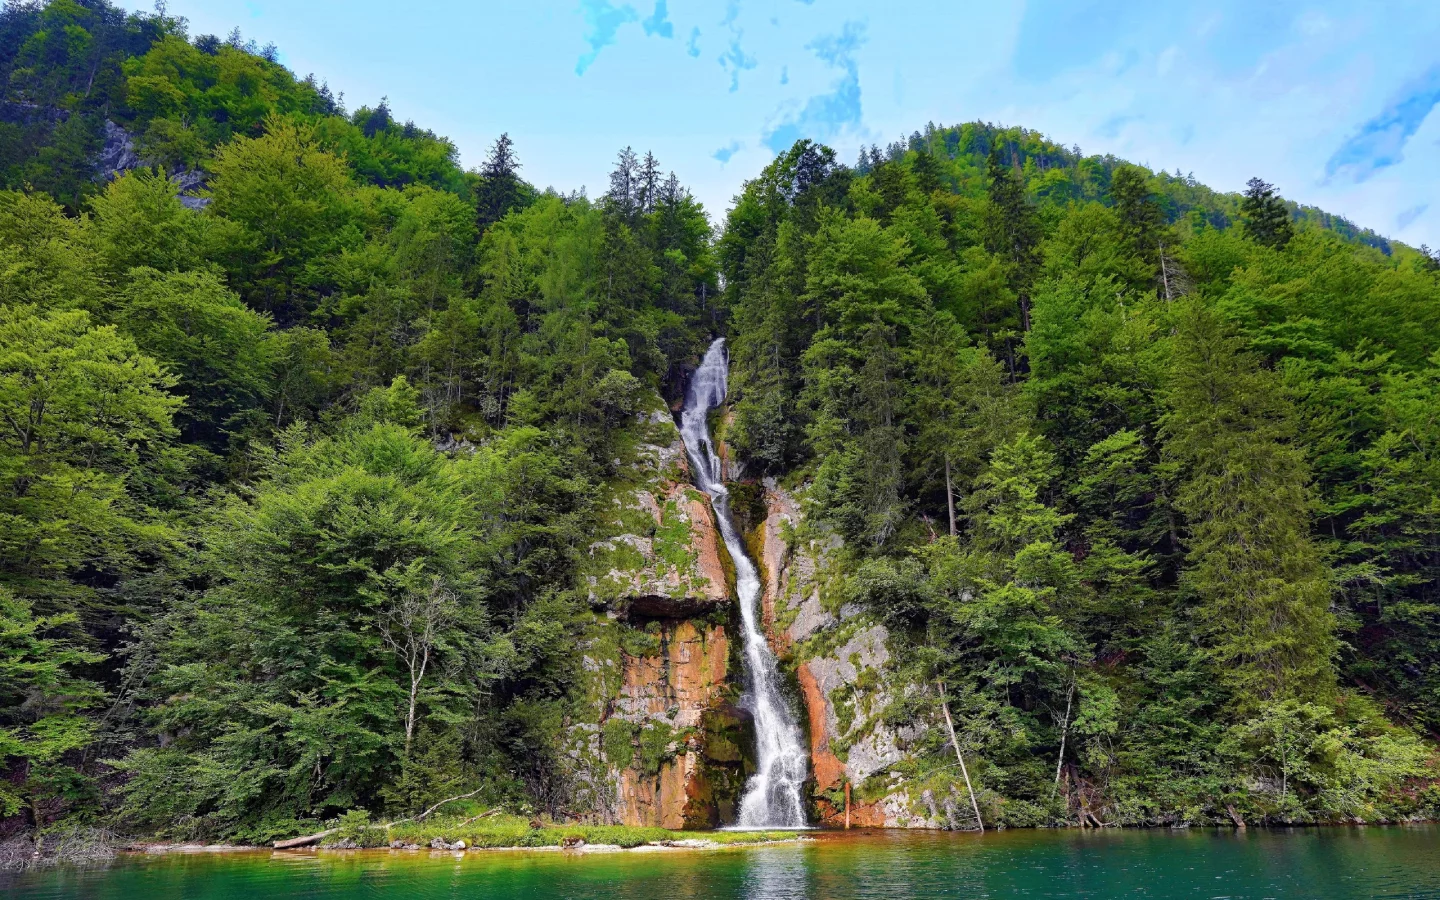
(217, 348)
(1012, 230)
(500, 189)
(85, 443)
(139, 221)
(289, 675)
(1261, 584)
(1266, 217)
(291, 201)
(42, 706)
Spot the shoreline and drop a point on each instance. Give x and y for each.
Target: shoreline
(142, 849)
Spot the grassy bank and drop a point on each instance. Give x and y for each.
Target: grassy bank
(506, 831)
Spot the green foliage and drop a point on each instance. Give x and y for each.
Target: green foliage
(617, 740)
(1155, 442)
(139, 221)
(217, 347)
(1267, 220)
(1142, 474)
(42, 704)
(1261, 582)
(295, 678)
(291, 203)
(85, 448)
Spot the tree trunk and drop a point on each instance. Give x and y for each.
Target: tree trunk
(955, 743)
(1164, 273)
(949, 495)
(1064, 733)
(304, 841)
(415, 678)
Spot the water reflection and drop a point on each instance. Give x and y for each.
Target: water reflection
(778, 873)
(1339, 863)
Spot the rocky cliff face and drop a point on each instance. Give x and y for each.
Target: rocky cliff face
(840, 659)
(118, 156)
(655, 738)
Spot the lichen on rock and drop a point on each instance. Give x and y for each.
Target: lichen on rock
(658, 552)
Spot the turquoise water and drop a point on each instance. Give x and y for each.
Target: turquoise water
(1316, 863)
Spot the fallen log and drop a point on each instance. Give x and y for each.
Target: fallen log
(310, 839)
(305, 841)
(427, 812)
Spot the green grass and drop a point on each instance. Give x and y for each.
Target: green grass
(502, 831)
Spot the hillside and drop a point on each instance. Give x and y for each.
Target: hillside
(335, 478)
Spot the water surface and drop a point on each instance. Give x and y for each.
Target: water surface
(1315, 863)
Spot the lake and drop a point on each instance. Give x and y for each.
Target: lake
(1309, 863)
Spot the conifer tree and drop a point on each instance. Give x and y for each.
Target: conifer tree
(1266, 218)
(624, 185)
(1141, 219)
(500, 189)
(958, 404)
(378, 119)
(649, 186)
(1262, 587)
(926, 172)
(1429, 259)
(1012, 231)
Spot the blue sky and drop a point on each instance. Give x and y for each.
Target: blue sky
(1335, 102)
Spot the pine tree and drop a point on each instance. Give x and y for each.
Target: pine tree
(501, 189)
(649, 187)
(958, 405)
(926, 173)
(1141, 219)
(624, 185)
(1266, 218)
(1012, 231)
(1429, 259)
(1262, 586)
(378, 120)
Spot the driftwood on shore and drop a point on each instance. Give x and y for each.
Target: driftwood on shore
(312, 839)
(305, 841)
(65, 845)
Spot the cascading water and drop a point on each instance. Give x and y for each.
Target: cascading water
(772, 796)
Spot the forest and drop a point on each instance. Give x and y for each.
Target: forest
(305, 430)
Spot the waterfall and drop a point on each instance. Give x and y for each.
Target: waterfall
(772, 796)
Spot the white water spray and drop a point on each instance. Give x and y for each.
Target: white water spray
(772, 796)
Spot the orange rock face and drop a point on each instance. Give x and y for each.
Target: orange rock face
(705, 543)
(827, 768)
(774, 562)
(657, 566)
(676, 689)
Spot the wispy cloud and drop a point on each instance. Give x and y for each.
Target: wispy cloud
(726, 152)
(735, 60)
(602, 21)
(1403, 220)
(825, 115)
(1112, 126)
(692, 46)
(1381, 141)
(659, 22)
(784, 75)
